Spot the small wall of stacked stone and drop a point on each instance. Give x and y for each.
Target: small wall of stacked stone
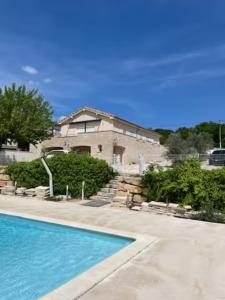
(4, 179)
(132, 186)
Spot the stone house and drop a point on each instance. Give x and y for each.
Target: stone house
(105, 136)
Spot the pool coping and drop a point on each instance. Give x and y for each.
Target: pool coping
(81, 284)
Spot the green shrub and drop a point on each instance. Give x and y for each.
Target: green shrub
(187, 183)
(67, 169)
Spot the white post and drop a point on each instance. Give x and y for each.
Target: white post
(67, 192)
(83, 184)
(49, 175)
(141, 164)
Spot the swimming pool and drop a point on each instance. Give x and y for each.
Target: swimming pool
(37, 257)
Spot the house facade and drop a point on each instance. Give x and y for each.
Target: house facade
(105, 136)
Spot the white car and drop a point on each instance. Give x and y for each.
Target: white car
(55, 152)
(217, 157)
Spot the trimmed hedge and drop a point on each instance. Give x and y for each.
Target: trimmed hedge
(69, 169)
(187, 183)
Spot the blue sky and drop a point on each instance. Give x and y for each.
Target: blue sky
(157, 63)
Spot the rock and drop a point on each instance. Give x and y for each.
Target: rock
(42, 191)
(121, 199)
(3, 183)
(132, 180)
(138, 198)
(173, 205)
(20, 191)
(137, 208)
(145, 192)
(30, 192)
(180, 210)
(62, 197)
(133, 189)
(8, 190)
(121, 187)
(144, 204)
(158, 204)
(121, 193)
(4, 177)
(188, 207)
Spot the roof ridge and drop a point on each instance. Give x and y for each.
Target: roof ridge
(97, 111)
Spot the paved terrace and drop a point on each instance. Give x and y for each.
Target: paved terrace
(187, 262)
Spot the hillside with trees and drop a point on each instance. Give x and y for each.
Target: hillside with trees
(209, 128)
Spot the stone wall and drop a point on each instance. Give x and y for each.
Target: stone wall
(131, 186)
(10, 156)
(4, 179)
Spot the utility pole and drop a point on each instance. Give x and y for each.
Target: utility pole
(220, 133)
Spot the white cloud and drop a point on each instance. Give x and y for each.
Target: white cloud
(47, 80)
(33, 83)
(177, 79)
(62, 117)
(29, 70)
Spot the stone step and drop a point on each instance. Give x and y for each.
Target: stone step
(96, 197)
(120, 199)
(105, 190)
(112, 186)
(118, 177)
(113, 181)
(118, 204)
(108, 190)
(104, 194)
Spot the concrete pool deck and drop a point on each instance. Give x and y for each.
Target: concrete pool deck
(186, 262)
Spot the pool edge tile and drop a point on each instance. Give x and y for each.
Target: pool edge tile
(84, 282)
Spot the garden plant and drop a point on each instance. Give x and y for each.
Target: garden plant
(67, 169)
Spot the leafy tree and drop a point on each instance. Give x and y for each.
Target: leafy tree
(179, 148)
(176, 145)
(25, 117)
(199, 142)
(165, 133)
(211, 128)
(184, 132)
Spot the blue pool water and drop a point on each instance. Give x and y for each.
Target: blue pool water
(37, 257)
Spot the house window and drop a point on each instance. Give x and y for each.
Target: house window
(82, 127)
(57, 131)
(99, 148)
(92, 126)
(76, 128)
